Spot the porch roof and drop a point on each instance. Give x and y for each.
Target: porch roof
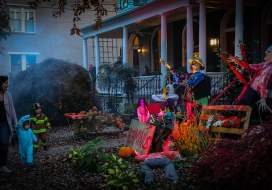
(141, 16)
(137, 15)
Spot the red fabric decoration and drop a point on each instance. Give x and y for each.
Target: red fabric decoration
(154, 108)
(234, 70)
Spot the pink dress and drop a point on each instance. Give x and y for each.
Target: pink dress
(143, 114)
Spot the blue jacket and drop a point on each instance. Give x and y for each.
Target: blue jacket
(195, 79)
(26, 139)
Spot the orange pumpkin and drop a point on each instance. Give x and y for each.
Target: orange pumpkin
(125, 152)
(118, 124)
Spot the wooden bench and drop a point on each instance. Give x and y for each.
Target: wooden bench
(237, 126)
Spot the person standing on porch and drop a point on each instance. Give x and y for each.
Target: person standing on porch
(8, 122)
(146, 71)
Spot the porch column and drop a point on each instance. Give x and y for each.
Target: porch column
(125, 45)
(85, 53)
(97, 54)
(190, 39)
(202, 32)
(239, 26)
(163, 48)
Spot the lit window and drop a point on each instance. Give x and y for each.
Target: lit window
(22, 61)
(22, 20)
(136, 42)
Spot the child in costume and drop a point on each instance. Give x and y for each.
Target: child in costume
(26, 139)
(40, 126)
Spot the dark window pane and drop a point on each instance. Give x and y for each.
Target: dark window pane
(29, 22)
(16, 63)
(30, 60)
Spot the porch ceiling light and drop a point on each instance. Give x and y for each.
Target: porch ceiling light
(140, 50)
(214, 42)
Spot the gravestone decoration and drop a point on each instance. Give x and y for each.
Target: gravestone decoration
(140, 136)
(59, 86)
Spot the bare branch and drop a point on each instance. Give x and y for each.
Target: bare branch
(79, 7)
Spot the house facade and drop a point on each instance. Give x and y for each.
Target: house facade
(173, 30)
(36, 35)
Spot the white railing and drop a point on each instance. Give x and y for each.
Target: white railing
(144, 85)
(117, 88)
(148, 85)
(217, 81)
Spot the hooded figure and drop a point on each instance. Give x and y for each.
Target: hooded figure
(26, 139)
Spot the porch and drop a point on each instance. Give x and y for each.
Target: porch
(145, 35)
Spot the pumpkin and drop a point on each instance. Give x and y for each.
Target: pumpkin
(118, 124)
(125, 152)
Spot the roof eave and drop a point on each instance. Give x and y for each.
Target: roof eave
(134, 15)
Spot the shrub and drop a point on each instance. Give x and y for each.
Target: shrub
(240, 164)
(118, 174)
(189, 140)
(88, 157)
(58, 85)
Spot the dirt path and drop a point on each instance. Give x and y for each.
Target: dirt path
(50, 170)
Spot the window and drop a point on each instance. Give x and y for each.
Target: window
(109, 50)
(22, 61)
(22, 20)
(136, 42)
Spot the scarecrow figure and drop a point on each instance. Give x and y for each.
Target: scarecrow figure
(257, 88)
(198, 86)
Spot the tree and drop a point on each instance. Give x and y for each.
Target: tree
(116, 77)
(79, 7)
(4, 21)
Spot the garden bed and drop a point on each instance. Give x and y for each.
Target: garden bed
(53, 170)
